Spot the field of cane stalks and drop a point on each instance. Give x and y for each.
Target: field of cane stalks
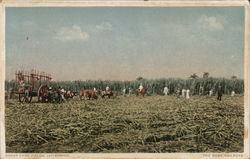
(127, 124)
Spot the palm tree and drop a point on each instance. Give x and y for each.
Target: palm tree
(234, 77)
(193, 76)
(139, 78)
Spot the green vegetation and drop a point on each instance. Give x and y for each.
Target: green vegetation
(155, 86)
(127, 124)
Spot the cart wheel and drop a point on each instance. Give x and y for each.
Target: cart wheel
(43, 93)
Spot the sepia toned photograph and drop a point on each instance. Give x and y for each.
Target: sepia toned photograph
(124, 79)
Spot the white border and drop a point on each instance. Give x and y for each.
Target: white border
(2, 77)
(246, 79)
(32, 3)
(19, 3)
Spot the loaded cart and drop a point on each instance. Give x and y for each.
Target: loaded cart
(32, 84)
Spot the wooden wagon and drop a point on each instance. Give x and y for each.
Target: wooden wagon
(31, 84)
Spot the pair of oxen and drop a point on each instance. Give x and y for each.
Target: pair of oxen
(92, 94)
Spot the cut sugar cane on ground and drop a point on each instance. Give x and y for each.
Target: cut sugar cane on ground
(127, 124)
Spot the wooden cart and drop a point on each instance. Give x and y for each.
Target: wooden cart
(32, 84)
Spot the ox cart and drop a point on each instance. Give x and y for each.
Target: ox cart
(31, 84)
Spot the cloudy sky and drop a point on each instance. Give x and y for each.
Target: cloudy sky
(122, 43)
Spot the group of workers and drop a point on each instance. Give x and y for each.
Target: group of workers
(184, 93)
(61, 91)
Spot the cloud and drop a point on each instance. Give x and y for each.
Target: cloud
(71, 33)
(210, 23)
(104, 26)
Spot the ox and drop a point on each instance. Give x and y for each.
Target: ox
(108, 94)
(69, 94)
(141, 92)
(88, 93)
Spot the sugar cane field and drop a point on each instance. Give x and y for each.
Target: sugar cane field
(154, 123)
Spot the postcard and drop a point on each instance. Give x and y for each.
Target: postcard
(149, 79)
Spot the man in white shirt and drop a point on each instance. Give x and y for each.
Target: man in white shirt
(165, 90)
(129, 91)
(211, 92)
(107, 88)
(233, 93)
(187, 94)
(62, 91)
(124, 91)
(183, 93)
(140, 87)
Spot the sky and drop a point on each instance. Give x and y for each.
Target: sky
(123, 43)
